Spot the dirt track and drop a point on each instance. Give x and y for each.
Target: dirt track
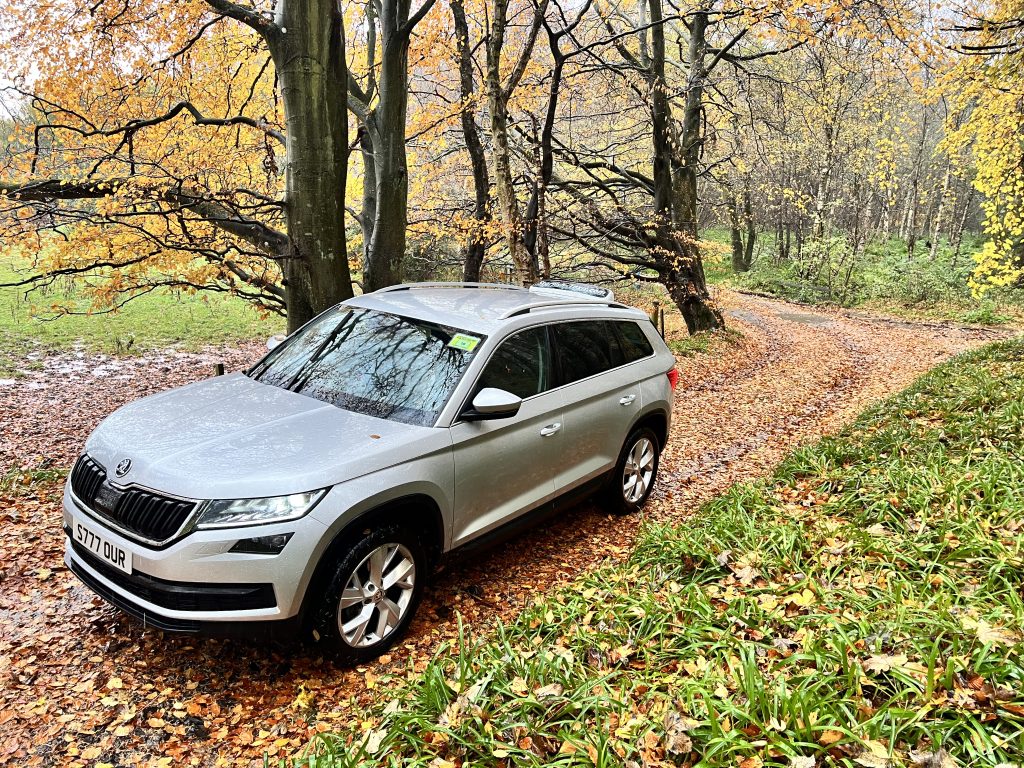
(82, 683)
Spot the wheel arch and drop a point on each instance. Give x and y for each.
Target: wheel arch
(658, 422)
(411, 509)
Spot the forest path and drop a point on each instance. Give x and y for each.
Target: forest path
(83, 683)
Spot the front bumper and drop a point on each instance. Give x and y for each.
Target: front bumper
(197, 581)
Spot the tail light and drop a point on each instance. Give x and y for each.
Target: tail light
(673, 378)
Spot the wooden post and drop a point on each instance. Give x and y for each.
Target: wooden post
(218, 369)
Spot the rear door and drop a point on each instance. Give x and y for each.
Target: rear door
(601, 397)
(505, 467)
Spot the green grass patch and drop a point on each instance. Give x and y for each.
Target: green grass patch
(708, 342)
(21, 481)
(29, 323)
(882, 277)
(862, 607)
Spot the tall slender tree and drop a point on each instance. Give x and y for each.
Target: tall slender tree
(385, 213)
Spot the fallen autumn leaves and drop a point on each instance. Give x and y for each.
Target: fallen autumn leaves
(83, 684)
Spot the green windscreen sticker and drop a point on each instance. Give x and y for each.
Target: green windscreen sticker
(464, 342)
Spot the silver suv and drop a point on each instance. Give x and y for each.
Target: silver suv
(321, 487)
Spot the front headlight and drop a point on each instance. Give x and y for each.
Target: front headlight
(231, 513)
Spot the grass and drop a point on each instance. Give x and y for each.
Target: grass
(706, 343)
(154, 321)
(881, 278)
(862, 607)
(22, 481)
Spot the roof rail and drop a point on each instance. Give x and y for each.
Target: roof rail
(411, 286)
(562, 303)
(562, 287)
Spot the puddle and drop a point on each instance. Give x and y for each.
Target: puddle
(750, 318)
(805, 318)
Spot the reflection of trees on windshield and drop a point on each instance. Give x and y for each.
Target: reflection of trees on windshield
(372, 363)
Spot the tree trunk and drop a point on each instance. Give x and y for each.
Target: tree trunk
(475, 247)
(675, 177)
(748, 215)
(369, 209)
(385, 127)
(742, 231)
(821, 189)
(310, 61)
(913, 201)
(735, 233)
(534, 226)
(958, 236)
(497, 99)
(498, 95)
(387, 131)
(508, 205)
(939, 212)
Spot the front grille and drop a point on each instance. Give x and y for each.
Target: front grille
(182, 595)
(145, 514)
(151, 515)
(86, 478)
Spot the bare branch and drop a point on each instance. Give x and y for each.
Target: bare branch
(265, 238)
(267, 29)
(416, 18)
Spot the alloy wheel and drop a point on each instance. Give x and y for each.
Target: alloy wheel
(638, 471)
(377, 596)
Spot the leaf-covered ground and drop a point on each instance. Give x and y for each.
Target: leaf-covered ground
(863, 607)
(82, 684)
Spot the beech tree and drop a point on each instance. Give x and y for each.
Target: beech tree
(500, 88)
(475, 246)
(386, 88)
(110, 160)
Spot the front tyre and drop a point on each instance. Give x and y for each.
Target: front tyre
(372, 595)
(635, 472)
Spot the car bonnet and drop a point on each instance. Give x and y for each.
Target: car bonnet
(232, 437)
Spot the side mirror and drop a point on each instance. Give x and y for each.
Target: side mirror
(491, 403)
(275, 340)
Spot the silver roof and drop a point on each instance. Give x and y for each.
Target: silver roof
(482, 307)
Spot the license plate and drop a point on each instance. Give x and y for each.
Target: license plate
(106, 551)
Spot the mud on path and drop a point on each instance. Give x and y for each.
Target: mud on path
(82, 684)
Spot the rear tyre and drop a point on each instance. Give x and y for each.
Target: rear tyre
(372, 594)
(635, 472)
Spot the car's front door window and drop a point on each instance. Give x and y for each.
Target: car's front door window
(521, 365)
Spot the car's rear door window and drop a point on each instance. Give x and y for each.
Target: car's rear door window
(586, 348)
(373, 362)
(521, 364)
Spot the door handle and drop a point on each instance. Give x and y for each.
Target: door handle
(627, 400)
(550, 429)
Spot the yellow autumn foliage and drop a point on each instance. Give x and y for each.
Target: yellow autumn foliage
(990, 83)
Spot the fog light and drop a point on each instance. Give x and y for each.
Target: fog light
(262, 545)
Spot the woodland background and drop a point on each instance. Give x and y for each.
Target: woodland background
(167, 168)
(291, 153)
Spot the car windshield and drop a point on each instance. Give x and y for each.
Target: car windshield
(372, 362)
